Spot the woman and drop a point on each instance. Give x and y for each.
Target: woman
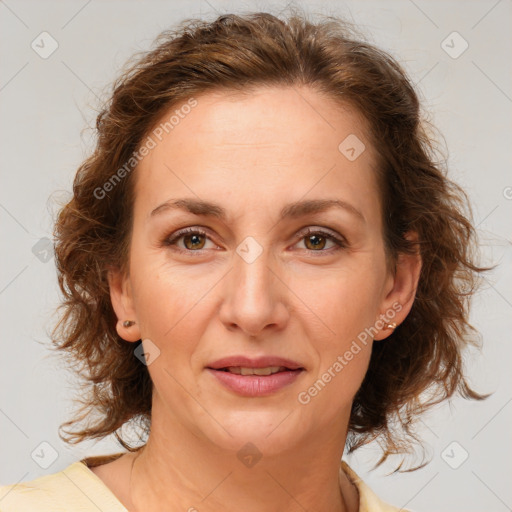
(262, 264)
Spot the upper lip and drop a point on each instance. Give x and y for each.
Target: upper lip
(256, 362)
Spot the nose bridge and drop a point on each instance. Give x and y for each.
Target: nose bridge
(254, 300)
(253, 276)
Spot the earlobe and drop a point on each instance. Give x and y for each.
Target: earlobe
(400, 298)
(122, 301)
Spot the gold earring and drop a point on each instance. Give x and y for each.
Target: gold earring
(391, 326)
(128, 323)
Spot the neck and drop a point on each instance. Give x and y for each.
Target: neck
(175, 472)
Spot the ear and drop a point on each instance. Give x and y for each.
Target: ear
(121, 295)
(400, 290)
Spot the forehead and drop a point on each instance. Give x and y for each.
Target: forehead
(267, 146)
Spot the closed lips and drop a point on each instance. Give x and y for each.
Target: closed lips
(263, 365)
(255, 376)
(255, 371)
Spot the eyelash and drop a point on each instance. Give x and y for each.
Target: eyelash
(171, 240)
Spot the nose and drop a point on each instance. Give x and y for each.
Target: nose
(254, 298)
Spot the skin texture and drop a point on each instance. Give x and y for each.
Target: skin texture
(253, 155)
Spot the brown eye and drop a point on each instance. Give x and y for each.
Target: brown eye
(193, 241)
(315, 242)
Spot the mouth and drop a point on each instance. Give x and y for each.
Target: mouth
(265, 363)
(257, 377)
(269, 370)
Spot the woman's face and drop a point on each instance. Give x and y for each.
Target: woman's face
(271, 268)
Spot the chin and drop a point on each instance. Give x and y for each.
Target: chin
(257, 430)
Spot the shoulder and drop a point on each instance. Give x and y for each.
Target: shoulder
(74, 488)
(47, 492)
(368, 500)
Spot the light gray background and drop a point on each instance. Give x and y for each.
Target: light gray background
(45, 105)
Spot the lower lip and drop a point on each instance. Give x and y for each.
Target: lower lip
(255, 385)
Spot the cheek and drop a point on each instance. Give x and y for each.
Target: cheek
(332, 387)
(171, 304)
(342, 355)
(174, 309)
(345, 300)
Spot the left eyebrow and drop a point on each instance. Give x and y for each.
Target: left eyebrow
(291, 210)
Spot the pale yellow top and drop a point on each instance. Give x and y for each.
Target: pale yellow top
(78, 489)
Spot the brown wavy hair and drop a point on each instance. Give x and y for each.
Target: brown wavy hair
(421, 363)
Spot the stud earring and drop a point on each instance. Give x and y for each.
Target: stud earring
(128, 323)
(391, 326)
